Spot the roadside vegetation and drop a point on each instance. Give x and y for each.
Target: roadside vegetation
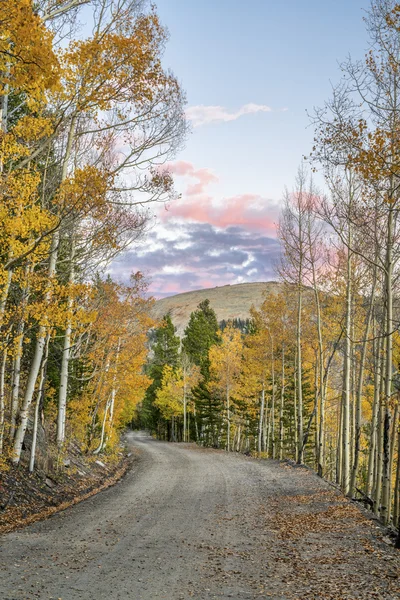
(88, 116)
(316, 377)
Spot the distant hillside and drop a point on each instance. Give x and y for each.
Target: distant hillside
(228, 301)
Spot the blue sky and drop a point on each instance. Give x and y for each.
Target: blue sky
(251, 71)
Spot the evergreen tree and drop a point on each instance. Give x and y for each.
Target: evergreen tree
(165, 352)
(209, 413)
(200, 334)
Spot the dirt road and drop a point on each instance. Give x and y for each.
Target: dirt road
(203, 524)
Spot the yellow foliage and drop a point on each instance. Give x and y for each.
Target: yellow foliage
(27, 61)
(169, 398)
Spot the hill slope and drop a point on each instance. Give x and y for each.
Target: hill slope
(228, 301)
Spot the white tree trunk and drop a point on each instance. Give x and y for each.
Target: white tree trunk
(39, 399)
(260, 423)
(360, 387)
(346, 396)
(281, 407)
(299, 368)
(386, 483)
(273, 402)
(41, 335)
(378, 348)
(228, 418)
(63, 391)
(2, 397)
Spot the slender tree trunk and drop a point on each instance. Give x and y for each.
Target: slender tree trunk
(371, 473)
(346, 442)
(268, 428)
(103, 428)
(386, 487)
(321, 436)
(396, 508)
(321, 358)
(261, 420)
(63, 391)
(184, 413)
(18, 357)
(393, 443)
(315, 408)
(360, 387)
(339, 447)
(2, 397)
(281, 407)
(196, 427)
(295, 410)
(379, 442)
(239, 433)
(35, 366)
(265, 428)
(228, 418)
(39, 401)
(41, 336)
(299, 365)
(273, 403)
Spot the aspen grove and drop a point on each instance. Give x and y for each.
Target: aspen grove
(88, 117)
(314, 376)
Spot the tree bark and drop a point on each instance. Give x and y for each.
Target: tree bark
(261, 419)
(300, 433)
(281, 407)
(386, 487)
(346, 442)
(360, 387)
(39, 401)
(2, 397)
(63, 391)
(41, 336)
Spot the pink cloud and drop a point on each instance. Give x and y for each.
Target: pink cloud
(250, 211)
(245, 210)
(203, 176)
(180, 167)
(195, 189)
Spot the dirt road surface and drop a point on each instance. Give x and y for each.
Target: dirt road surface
(194, 523)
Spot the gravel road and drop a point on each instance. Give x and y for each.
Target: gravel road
(187, 522)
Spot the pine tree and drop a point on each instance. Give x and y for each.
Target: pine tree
(200, 334)
(165, 352)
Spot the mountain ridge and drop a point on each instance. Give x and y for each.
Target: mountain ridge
(229, 301)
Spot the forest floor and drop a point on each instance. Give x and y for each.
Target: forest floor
(26, 498)
(187, 522)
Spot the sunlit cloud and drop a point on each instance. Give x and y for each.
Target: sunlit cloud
(214, 257)
(205, 240)
(197, 204)
(203, 115)
(202, 177)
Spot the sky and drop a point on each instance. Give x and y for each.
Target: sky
(252, 72)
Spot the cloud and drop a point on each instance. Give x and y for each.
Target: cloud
(213, 257)
(203, 115)
(203, 241)
(186, 169)
(251, 211)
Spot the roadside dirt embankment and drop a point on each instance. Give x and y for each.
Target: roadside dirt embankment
(26, 498)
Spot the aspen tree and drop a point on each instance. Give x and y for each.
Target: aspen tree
(225, 359)
(292, 232)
